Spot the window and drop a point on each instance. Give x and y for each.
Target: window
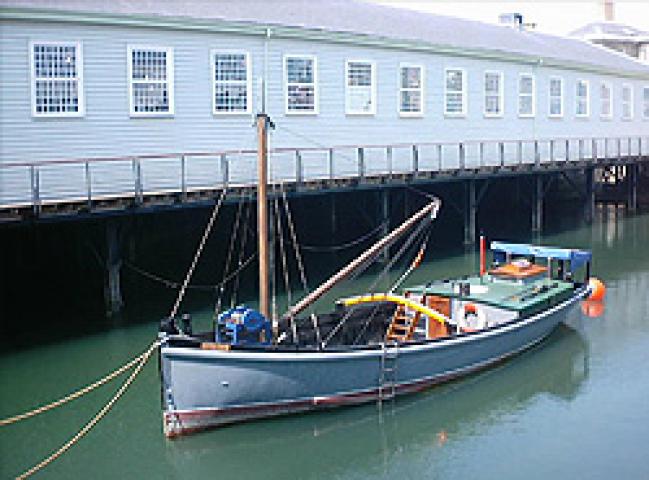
(606, 109)
(645, 103)
(627, 102)
(581, 98)
(360, 94)
(493, 94)
(556, 97)
(231, 82)
(411, 90)
(526, 93)
(455, 92)
(301, 77)
(151, 81)
(57, 80)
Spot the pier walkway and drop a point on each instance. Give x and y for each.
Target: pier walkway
(77, 188)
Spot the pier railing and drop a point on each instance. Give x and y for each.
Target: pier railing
(86, 181)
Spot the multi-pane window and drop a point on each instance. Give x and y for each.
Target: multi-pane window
(493, 94)
(231, 82)
(301, 77)
(57, 81)
(411, 86)
(455, 92)
(606, 108)
(627, 102)
(360, 93)
(526, 101)
(581, 98)
(150, 75)
(555, 96)
(645, 103)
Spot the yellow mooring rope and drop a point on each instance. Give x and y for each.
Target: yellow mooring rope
(142, 359)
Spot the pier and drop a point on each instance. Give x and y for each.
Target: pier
(104, 188)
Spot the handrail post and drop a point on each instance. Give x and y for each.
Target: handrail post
(593, 148)
(519, 152)
(225, 170)
(628, 148)
(137, 179)
(330, 158)
(567, 150)
(606, 147)
(88, 186)
(439, 157)
(388, 156)
(619, 149)
(481, 154)
(501, 153)
(36, 189)
(551, 151)
(183, 179)
(361, 163)
(415, 160)
(461, 154)
(537, 155)
(298, 168)
(580, 151)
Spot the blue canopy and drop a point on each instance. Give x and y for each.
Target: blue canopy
(577, 257)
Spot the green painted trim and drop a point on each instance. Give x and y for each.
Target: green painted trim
(310, 34)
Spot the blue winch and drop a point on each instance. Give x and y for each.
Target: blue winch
(242, 325)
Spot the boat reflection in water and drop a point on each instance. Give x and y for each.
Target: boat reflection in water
(368, 440)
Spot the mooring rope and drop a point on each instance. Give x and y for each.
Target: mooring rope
(138, 362)
(144, 358)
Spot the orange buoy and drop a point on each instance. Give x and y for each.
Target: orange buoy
(597, 289)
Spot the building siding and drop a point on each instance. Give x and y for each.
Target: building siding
(107, 129)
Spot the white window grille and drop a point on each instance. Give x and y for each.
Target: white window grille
(627, 102)
(151, 81)
(526, 94)
(231, 82)
(555, 96)
(360, 93)
(581, 99)
(606, 109)
(493, 94)
(455, 92)
(301, 80)
(57, 79)
(645, 103)
(411, 90)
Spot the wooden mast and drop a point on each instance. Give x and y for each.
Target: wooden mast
(262, 213)
(430, 209)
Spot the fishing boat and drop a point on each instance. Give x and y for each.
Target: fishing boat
(370, 347)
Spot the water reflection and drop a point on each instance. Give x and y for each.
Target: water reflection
(361, 440)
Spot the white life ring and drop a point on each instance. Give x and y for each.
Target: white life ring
(471, 318)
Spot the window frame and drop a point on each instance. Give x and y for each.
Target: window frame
(316, 96)
(630, 102)
(79, 79)
(578, 98)
(248, 82)
(170, 80)
(645, 102)
(501, 94)
(465, 100)
(561, 97)
(609, 115)
(373, 97)
(421, 89)
(532, 114)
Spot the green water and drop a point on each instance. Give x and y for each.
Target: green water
(577, 406)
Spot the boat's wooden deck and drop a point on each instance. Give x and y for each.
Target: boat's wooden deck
(509, 295)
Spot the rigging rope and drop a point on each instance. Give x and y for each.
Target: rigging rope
(296, 245)
(287, 281)
(242, 252)
(228, 259)
(343, 246)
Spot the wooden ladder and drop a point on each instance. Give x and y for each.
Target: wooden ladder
(402, 327)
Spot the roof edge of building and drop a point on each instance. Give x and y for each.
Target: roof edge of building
(305, 33)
